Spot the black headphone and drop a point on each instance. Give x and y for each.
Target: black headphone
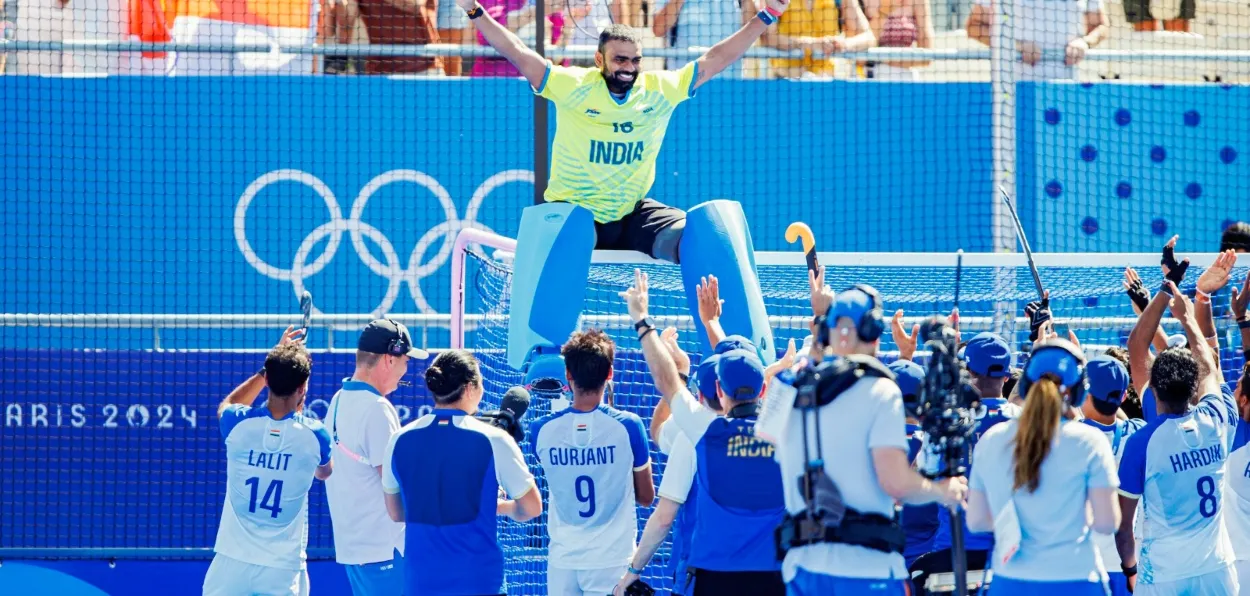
(1041, 361)
(872, 324)
(396, 346)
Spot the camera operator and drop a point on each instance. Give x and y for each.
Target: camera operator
(442, 475)
(920, 522)
(1037, 476)
(843, 451)
(988, 359)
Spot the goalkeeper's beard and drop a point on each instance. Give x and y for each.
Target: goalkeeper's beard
(617, 85)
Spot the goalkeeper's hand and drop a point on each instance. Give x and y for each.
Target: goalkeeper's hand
(1173, 270)
(1038, 313)
(776, 7)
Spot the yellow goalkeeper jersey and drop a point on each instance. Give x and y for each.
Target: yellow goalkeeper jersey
(603, 157)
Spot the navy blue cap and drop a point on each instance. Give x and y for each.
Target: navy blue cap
(741, 374)
(1108, 379)
(988, 355)
(738, 342)
(908, 375)
(547, 373)
(385, 336)
(705, 376)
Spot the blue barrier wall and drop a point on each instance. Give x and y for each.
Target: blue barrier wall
(123, 195)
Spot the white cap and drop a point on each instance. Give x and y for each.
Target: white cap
(1177, 341)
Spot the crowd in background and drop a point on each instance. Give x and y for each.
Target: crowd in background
(813, 26)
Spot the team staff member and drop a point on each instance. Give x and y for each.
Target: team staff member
(442, 475)
(1035, 479)
(860, 439)
(1237, 514)
(597, 463)
(272, 455)
(920, 522)
(610, 123)
(361, 421)
(1108, 388)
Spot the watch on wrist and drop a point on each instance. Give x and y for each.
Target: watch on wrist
(685, 378)
(644, 323)
(476, 12)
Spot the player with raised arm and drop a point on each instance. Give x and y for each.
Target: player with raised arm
(1174, 466)
(597, 462)
(273, 452)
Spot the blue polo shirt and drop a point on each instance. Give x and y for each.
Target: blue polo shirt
(448, 468)
(997, 410)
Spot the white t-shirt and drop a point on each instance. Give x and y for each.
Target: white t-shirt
(589, 460)
(269, 469)
(360, 422)
(679, 472)
(868, 415)
(1051, 25)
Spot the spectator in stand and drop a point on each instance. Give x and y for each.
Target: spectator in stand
(1236, 238)
(516, 14)
(596, 15)
(40, 20)
(337, 27)
(401, 22)
(700, 23)
(817, 26)
(453, 28)
(8, 26)
(1138, 14)
(899, 24)
(1068, 27)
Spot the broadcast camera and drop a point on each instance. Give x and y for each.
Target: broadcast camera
(508, 416)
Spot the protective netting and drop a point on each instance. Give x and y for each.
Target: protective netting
(1090, 299)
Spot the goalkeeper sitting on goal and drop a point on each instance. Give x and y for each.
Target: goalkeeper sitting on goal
(609, 131)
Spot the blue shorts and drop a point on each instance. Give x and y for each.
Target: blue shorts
(806, 583)
(385, 578)
(1016, 587)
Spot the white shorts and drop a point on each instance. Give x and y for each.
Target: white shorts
(583, 582)
(232, 577)
(1216, 583)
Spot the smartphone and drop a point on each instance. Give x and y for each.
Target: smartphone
(1061, 329)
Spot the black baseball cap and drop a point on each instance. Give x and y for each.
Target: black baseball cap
(384, 336)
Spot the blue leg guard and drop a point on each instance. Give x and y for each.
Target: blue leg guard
(716, 241)
(554, 245)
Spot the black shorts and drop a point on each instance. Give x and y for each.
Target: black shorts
(637, 230)
(738, 583)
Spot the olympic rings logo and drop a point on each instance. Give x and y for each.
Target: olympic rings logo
(333, 230)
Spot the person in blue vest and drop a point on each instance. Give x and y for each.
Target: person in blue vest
(740, 498)
(678, 490)
(920, 522)
(988, 358)
(1108, 387)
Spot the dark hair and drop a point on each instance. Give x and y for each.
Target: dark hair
(588, 358)
(1010, 384)
(1235, 237)
(450, 373)
(1174, 377)
(1132, 402)
(287, 368)
(619, 32)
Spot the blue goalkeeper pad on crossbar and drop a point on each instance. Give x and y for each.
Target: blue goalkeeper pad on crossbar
(718, 242)
(552, 265)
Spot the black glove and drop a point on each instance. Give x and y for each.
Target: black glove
(639, 588)
(1176, 271)
(1038, 313)
(1138, 294)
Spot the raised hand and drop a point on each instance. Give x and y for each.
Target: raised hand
(1240, 300)
(1135, 290)
(822, 295)
(291, 335)
(1181, 306)
(1216, 276)
(669, 337)
(776, 7)
(636, 296)
(1173, 270)
(906, 342)
(1038, 313)
(710, 304)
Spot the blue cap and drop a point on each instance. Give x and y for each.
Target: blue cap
(705, 376)
(1108, 379)
(741, 374)
(853, 304)
(734, 342)
(988, 355)
(908, 375)
(546, 373)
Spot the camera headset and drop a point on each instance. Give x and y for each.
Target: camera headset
(1062, 359)
(870, 325)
